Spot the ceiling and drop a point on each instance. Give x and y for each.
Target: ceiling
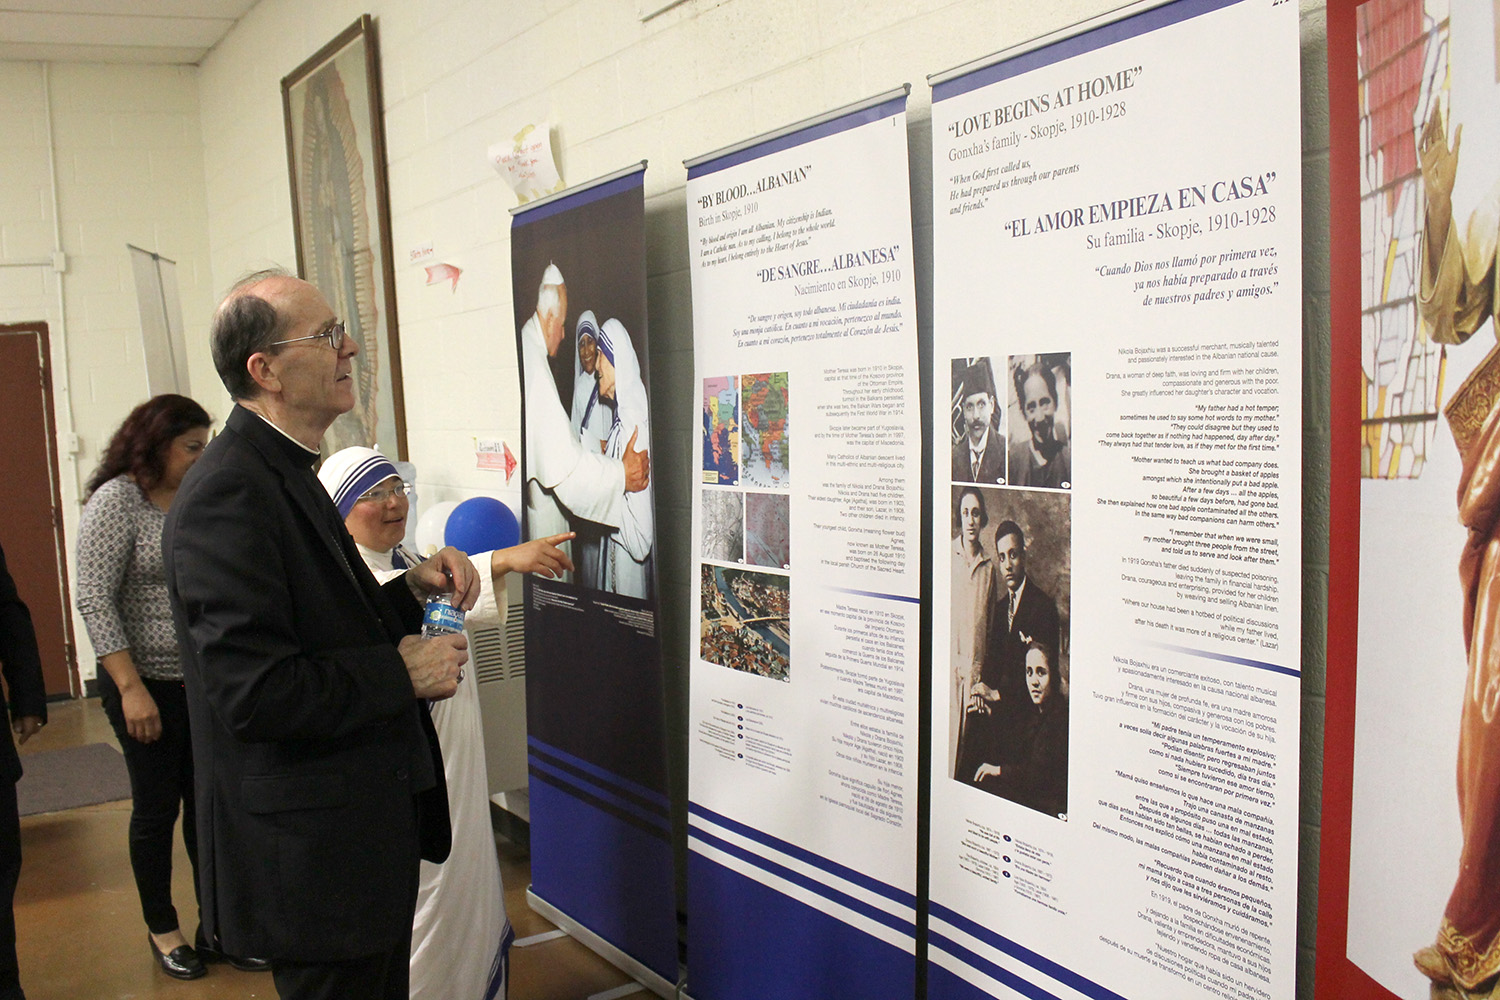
(115, 31)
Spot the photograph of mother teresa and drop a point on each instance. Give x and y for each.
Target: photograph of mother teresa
(594, 681)
(588, 440)
(623, 562)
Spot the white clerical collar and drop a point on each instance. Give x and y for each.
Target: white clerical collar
(379, 562)
(284, 434)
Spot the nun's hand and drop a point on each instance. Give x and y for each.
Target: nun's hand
(540, 556)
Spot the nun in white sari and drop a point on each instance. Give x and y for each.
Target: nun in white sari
(460, 943)
(625, 557)
(591, 418)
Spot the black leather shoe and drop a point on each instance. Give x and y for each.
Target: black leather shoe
(208, 954)
(181, 963)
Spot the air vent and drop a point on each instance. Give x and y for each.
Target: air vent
(487, 649)
(515, 640)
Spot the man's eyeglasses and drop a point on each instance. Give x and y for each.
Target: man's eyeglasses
(334, 335)
(381, 496)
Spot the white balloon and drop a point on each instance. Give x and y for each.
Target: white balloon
(431, 525)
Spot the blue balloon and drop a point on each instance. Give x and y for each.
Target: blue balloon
(481, 524)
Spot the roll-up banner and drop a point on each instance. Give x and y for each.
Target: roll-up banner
(805, 687)
(1409, 900)
(601, 854)
(1116, 680)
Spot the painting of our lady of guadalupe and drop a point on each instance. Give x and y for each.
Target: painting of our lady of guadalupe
(336, 151)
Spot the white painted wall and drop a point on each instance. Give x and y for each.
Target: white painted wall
(27, 293)
(129, 169)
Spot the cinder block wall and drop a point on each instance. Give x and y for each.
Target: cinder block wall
(129, 168)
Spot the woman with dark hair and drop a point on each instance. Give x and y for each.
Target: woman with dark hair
(122, 596)
(1038, 777)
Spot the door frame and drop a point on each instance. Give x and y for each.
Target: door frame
(59, 540)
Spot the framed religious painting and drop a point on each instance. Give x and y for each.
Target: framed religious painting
(335, 144)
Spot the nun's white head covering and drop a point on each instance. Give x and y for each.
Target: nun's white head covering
(632, 409)
(349, 474)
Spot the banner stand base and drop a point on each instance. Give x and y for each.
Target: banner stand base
(614, 956)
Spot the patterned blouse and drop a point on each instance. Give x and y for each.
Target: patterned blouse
(122, 585)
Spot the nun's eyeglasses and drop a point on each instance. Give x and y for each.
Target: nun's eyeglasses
(334, 335)
(381, 496)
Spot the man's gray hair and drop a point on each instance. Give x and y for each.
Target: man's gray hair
(548, 301)
(244, 324)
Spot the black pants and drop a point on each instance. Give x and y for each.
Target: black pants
(386, 976)
(10, 870)
(383, 976)
(161, 778)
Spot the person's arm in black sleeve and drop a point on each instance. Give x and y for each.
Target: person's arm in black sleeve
(407, 607)
(20, 659)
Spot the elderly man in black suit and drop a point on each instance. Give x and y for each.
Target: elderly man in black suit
(22, 664)
(319, 778)
(979, 455)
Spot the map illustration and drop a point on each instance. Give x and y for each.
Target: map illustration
(746, 621)
(766, 458)
(723, 526)
(721, 431)
(767, 533)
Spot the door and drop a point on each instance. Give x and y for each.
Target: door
(31, 522)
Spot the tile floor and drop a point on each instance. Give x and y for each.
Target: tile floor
(79, 929)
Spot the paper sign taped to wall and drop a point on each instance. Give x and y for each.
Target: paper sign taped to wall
(420, 254)
(490, 453)
(439, 273)
(525, 161)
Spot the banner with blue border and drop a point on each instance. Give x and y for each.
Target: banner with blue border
(803, 754)
(1115, 692)
(601, 848)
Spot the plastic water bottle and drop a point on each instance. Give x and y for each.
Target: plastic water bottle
(441, 617)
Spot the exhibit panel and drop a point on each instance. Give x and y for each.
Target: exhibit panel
(1117, 623)
(601, 854)
(1411, 649)
(804, 679)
